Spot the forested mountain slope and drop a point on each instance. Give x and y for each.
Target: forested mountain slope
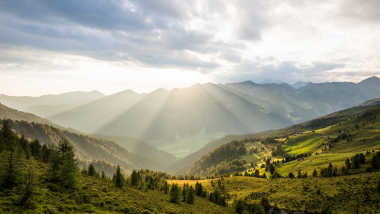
(232, 108)
(317, 123)
(10, 113)
(22, 103)
(86, 147)
(137, 146)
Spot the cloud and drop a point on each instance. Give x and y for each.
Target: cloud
(360, 10)
(217, 39)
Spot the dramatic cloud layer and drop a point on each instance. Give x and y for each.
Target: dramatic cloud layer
(146, 44)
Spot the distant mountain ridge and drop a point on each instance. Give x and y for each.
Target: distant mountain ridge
(24, 102)
(233, 108)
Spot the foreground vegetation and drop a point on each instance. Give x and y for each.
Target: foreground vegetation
(36, 178)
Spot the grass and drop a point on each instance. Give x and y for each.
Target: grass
(301, 194)
(306, 143)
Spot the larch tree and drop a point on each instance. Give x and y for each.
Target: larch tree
(70, 172)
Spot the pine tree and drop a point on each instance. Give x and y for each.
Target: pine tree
(272, 169)
(134, 178)
(69, 172)
(265, 203)
(348, 164)
(299, 174)
(190, 197)
(174, 193)
(184, 193)
(91, 170)
(315, 173)
(30, 188)
(104, 175)
(166, 187)
(240, 206)
(119, 179)
(257, 209)
(378, 186)
(54, 166)
(35, 148)
(45, 153)
(375, 162)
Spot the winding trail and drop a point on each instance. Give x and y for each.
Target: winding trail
(271, 158)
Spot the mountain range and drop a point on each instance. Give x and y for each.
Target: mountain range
(232, 108)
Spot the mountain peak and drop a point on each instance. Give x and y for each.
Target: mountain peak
(371, 80)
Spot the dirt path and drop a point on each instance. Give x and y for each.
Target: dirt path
(271, 158)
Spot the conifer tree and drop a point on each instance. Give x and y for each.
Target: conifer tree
(69, 172)
(184, 188)
(45, 153)
(375, 162)
(119, 179)
(91, 170)
(348, 164)
(174, 193)
(103, 175)
(257, 209)
(190, 197)
(299, 174)
(30, 187)
(54, 166)
(265, 203)
(315, 173)
(166, 187)
(134, 178)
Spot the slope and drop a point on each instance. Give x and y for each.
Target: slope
(297, 145)
(86, 147)
(317, 123)
(135, 145)
(50, 110)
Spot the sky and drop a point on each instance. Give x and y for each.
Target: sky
(52, 47)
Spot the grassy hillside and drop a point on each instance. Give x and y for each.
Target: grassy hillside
(360, 139)
(343, 193)
(321, 123)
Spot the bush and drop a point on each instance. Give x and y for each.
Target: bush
(326, 208)
(105, 189)
(369, 169)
